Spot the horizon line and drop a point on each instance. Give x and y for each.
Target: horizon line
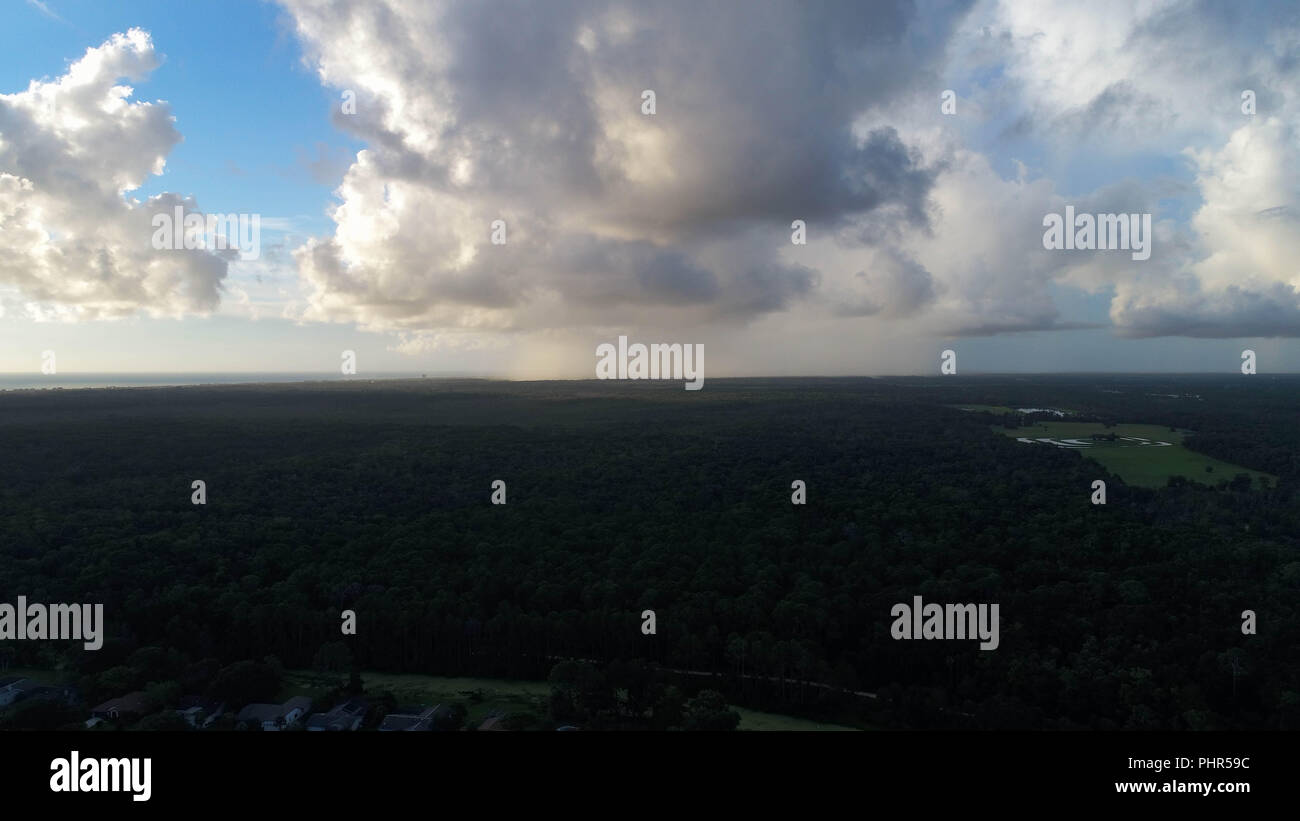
(502, 378)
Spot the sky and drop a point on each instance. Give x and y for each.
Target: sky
(921, 146)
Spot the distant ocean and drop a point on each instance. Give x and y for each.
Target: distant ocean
(28, 381)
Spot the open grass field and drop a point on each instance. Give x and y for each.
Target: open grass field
(484, 696)
(1142, 455)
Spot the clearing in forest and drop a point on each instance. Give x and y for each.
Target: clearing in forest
(1143, 455)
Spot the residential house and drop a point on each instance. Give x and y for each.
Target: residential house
(129, 706)
(199, 712)
(14, 689)
(273, 717)
(412, 721)
(345, 717)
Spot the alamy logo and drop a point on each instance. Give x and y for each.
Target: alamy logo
(951, 621)
(657, 361)
(79, 622)
(192, 231)
(1103, 232)
(133, 775)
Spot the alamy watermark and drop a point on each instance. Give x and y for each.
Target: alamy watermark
(53, 622)
(194, 231)
(656, 361)
(1103, 232)
(77, 774)
(946, 621)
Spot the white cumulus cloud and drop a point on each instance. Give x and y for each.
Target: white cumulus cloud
(72, 244)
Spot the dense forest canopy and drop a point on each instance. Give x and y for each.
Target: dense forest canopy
(374, 497)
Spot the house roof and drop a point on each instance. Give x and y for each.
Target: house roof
(333, 721)
(260, 712)
(201, 712)
(198, 703)
(273, 712)
(342, 716)
(297, 703)
(411, 719)
(318, 720)
(352, 706)
(129, 703)
(398, 723)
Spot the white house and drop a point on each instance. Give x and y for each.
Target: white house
(275, 716)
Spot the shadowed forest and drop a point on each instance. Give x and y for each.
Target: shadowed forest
(375, 497)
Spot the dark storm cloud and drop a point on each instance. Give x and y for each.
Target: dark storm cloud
(532, 112)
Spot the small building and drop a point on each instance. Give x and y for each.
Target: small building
(199, 712)
(345, 717)
(413, 721)
(15, 689)
(272, 717)
(131, 705)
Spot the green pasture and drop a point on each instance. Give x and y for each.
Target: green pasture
(1144, 465)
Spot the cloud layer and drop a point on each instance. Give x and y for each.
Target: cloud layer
(823, 113)
(72, 246)
(614, 218)
(475, 112)
(1162, 85)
